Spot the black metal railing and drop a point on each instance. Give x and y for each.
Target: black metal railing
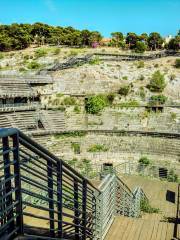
(41, 195)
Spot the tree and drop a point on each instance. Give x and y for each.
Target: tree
(143, 37)
(155, 41)
(95, 37)
(85, 35)
(174, 43)
(131, 39)
(117, 38)
(140, 47)
(157, 82)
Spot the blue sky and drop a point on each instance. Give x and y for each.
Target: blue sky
(105, 16)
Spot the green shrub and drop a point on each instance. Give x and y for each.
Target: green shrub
(177, 63)
(142, 93)
(22, 69)
(173, 115)
(140, 64)
(56, 51)
(76, 147)
(172, 77)
(73, 53)
(33, 65)
(26, 57)
(131, 103)
(140, 47)
(157, 82)
(124, 90)
(141, 77)
(40, 53)
(125, 78)
(77, 109)
(110, 98)
(69, 101)
(157, 100)
(145, 161)
(146, 207)
(95, 61)
(1, 55)
(70, 134)
(98, 148)
(95, 104)
(172, 177)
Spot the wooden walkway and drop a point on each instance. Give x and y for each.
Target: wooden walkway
(149, 226)
(125, 228)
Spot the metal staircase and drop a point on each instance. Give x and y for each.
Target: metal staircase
(41, 197)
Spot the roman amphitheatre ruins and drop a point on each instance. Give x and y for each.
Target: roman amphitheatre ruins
(133, 135)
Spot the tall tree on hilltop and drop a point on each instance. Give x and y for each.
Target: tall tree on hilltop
(131, 39)
(155, 41)
(117, 38)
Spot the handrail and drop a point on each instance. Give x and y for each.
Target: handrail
(44, 150)
(43, 193)
(41, 186)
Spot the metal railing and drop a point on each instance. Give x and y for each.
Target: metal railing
(40, 195)
(115, 198)
(43, 197)
(163, 171)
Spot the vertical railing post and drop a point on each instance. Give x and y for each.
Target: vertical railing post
(8, 186)
(76, 210)
(59, 198)
(50, 196)
(18, 194)
(84, 214)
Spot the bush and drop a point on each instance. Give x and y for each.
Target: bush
(177, 63)
(73, 53)
(95, 104)
(1, 55)
(56, 51)
(140, 47)
(76, 147)
(124, 90)
(141, 77)
(140, 64)
(77, 109)
(95, 61)
(142, 93)
(22, 69)
(156, 65)
(98, 148)
(146, 207)
(131, 103)
(172, 177)
(145, 161)
(33, 65)
(172, 77)
(110, 98)
(26, 57)
(157, 82)
(69, 101)
(157, 100)
(125, 78)
(40, 53)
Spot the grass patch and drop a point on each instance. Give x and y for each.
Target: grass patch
(33, 65)
(147, 208)
(70, 134)
(98, 148)
(132, 103)
(40, 53)
(95, 61)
